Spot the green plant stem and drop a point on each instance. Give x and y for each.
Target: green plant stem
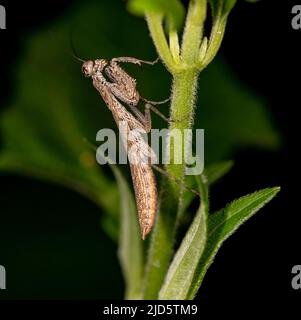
(162, 241)
(185, 82)
(174, 46)
(155, 25)
(182, 107)
(184, 65)
(217, 34)
(185, 76)
(193, 31)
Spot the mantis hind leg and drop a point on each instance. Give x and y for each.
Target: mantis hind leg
(154, 103)
(150, 105)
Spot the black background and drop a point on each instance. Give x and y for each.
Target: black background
(268, 60)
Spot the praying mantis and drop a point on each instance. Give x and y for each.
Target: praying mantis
(122, 89)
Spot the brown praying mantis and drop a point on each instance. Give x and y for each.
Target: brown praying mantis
(122, 89)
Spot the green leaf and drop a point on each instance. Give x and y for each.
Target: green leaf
(225, 6)
(212, 173)
(130, 250)
(217, 170)
(224, 223)
(221, 7)
(228, 5)
(173, 10)
(232, 114)
(178, 280)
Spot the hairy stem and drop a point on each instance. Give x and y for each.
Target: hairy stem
(182, 107)
(215, 40)
(155, 25)
(185, 75)
(193, 31)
